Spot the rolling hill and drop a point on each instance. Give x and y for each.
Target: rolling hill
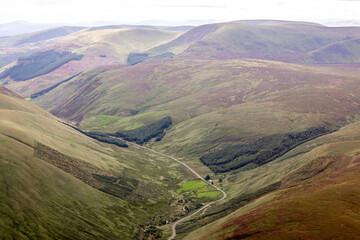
(295, 42)
(97, 47)
(268, 110)
(58, 183)
(271, 40)
(213, 103)
(14, 47)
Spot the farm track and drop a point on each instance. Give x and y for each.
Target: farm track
(197, 175)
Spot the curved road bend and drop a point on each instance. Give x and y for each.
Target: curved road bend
(197, 175)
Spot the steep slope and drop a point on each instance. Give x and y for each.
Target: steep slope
(7, 92)
(95, 48)
(51, 176)
(183, 41)
(271, 40)
(348, 51)
(318, 198)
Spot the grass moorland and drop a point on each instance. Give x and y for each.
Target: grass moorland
(212, 103)
(222, 111)
(99, 47)
(279, 41)
(11, 48)
(215, 104)
(299, 42)
(318, 197)
(42, 197)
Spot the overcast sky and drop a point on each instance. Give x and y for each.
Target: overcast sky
(82, 11)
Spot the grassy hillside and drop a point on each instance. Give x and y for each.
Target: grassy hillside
(14, 47)
(59, 183)
(116, 42)
(280, 138)
(21, 39)
(48, 34)
(213, 104)
(98, 47)
(7, 92)
(348, 51)
(38, 64)
(319, 190)
(271, 40)
(182, 42)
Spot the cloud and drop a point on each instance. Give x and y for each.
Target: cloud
(192, 6)
(52, 2)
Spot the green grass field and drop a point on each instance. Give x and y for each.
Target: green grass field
(198, 189)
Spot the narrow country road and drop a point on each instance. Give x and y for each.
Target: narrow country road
(197, 175)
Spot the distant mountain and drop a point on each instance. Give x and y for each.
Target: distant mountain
(286, 41)
(98, 46)
(23, 45)
(176, 23)
(263, 39)
(270, 22)
(21, 27)
(170, 28)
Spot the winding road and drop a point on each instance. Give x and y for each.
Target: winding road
(197, 175)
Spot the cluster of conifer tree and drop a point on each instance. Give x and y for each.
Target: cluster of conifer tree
(262, 151)
(145, 133)
(39, 64)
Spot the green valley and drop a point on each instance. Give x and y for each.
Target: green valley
(236, 130)
(51, 174)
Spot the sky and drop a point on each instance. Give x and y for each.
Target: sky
(328, 12)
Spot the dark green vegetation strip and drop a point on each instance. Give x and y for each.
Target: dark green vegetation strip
(101, 137)
(46, 90)
(104, 137)
(216, 212)
(145, 133)
(95, 177)
(39, 64)
(117, 186)
(259, 152)
(138, 135)
(135, 58)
